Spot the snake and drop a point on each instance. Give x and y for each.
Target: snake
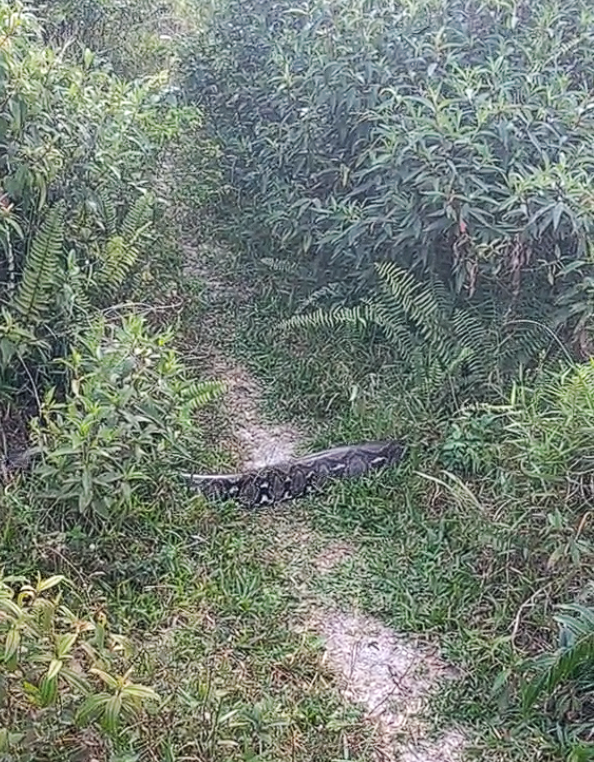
(298, 477)
(276, 482)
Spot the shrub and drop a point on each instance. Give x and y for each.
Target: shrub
(446, 350)
(60, 671)
(78, 208)
(128, 417)
(452, 138)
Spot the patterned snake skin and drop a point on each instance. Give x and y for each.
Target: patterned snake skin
(295, 478)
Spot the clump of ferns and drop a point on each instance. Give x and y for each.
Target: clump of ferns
(444, 349)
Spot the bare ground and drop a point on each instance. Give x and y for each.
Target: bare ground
(390, 676)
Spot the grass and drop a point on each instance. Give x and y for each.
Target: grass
(466, 570)
(211, 595)
(246, 685)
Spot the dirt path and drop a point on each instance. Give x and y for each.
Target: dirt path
(389, 676)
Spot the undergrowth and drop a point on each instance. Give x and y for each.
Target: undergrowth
(481, 542)
(477, 542)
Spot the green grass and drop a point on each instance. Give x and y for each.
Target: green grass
(209, 598)
(211, 595)
(243, 685)
(432, 560)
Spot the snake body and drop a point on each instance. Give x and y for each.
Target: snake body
(298, 477)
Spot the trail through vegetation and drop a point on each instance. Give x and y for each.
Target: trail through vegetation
(235, 231)
(389, 676)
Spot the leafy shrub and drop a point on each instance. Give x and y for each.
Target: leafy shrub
(128, 416)
(60, 671)
(452, 138)
(472, 443)
(78, 208)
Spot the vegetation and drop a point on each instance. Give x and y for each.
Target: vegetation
(92, 392)
(405, 188)
(451, 139)
(58, 672)
(411, 182)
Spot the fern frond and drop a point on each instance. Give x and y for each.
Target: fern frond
(108, 211)
(329, 291)
(75, 301)
(202, 392)
(42, 266)
(117, 258)
(479, 343)
(441, 296)
(402, 296)
(390, 317)
(429, 319)
(523, 343)
(429, 376)
(329, 318)
(447, 346)
(399, 283)
(470, 330)
(138, 219)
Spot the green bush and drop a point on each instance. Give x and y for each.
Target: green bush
(128, 417)
(79, 206)
(472, 443)
(454, 139)
(61, 671)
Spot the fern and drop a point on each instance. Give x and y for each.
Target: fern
(138, 219)
(478, 341)
(119, 254)
(117, 258)
(108, 212)
(74, 301)
(332, 318)
(434, 338)
(523, 341)
(42, 266)
(401, 284)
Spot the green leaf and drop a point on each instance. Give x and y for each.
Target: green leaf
(92, 708)
(48, 690)
(112, 713)
(10, 608)
(140, 692)
(47, 584)
(42, 267)
(110, 681)
(76, 681)
(65, 643)
(11, 643)
(53, 669)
